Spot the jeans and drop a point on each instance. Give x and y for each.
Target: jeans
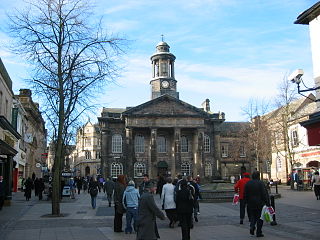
(109, 197)
(93, 201)
(132, 213)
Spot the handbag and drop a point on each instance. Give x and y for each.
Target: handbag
(235, 200)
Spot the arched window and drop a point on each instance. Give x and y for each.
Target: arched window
(139, 144)
(184, 144)
(116, 169)
(206, 143)
(139, 169)
(162, 144)
(208, 169)
(186, 169)
(116, 143)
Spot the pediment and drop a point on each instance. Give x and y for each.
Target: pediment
(165, 106)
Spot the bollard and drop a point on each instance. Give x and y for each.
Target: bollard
(274, 222)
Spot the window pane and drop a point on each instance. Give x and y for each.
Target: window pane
(161, 144)
(208, 169)
(184, 144)
(117, 143)
(139, 169)
(206, 144)
(139, 144)
(116, 169)
(186, 169)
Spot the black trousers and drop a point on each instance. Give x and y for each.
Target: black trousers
(316, 190)
(185, 222)
(243, 209)
(117, 222)
(255, 215)
(1, 201)
(171, 215)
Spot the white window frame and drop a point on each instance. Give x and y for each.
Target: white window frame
(224, 150)
(295, 138)
(206, 143)
(161, 144)
(87, 142)
(139, 169)
(139, 143)
(208, 169)
(184, 143)
(242, 152)
(116, 143)
(116, 169)
(186, 168)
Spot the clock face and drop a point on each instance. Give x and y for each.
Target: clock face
(165, 84)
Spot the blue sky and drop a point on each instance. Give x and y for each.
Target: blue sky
(228, 51)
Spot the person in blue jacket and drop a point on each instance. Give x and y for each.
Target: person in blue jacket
(130, 202)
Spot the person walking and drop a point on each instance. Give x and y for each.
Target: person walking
(239, 188)
(160, 183)
(79, 184)
(93, 190)
(196, 194)
(168, 203)
(40, 188)
(147, 213)
(2, 192)
(119, 210)
(130, 202)
(256, 196)
(316, 184)
(108, 188)
(146, 183)
(28, 190)
(185, 206)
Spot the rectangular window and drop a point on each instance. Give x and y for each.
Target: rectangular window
(88, 155)
(224, 150)
(164, 69)
(87, 142)
(294, 138)
(242, 151)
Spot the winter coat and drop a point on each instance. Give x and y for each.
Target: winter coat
(256, 194)
(93, 188)
(147, 213)
(167, 196)
(108, 187)
(131, 197)
(239, 186)
(184, 201)
(118, 196)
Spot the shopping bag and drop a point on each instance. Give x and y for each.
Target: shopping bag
(235, 199)
(266, 213)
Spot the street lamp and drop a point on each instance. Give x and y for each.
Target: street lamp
(296, 77)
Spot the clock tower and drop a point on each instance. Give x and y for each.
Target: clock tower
(163, 81)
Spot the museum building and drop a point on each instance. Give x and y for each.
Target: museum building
(164, 136)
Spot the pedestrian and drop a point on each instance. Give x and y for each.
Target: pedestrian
(28, 190)
(316, 184)
(36, 187)
(256, 196)
(108, 188)
(40, 188)
(146, 183)
(93, 190)
(119, 210)
(130, 202)
(185, 207)
(168, 203)
(239, 188)
(160, 183)
(2, 192)
(79, 184)
(147, 212)
(196, 194)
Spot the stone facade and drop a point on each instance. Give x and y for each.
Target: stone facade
(164, 136)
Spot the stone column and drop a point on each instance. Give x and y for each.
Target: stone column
(198, 166)
(8, 180)
(105, 165)
(153, 154)
(129, 152)
(216, 168)
(176, 158)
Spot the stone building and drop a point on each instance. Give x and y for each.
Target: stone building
(8, 134)
(85, 159)
(164, 135)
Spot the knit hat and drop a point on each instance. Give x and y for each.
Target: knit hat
(131, 183)
(246, 174)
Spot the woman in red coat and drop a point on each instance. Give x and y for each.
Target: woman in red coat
(239, 188)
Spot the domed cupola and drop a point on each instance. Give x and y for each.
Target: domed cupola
(163, 81)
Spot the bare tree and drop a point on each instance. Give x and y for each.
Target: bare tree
(71, 60)
(287, 94)
(258, 136)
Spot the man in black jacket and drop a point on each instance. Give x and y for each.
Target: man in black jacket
(256, 196)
